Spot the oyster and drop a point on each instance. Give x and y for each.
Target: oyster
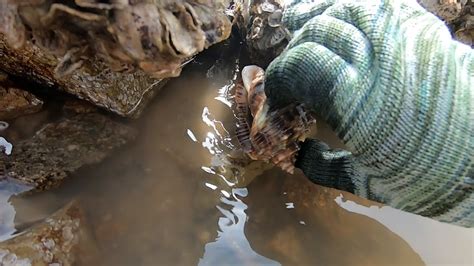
(268, 135)
(114, 54)
(261, 27)
(154, 36)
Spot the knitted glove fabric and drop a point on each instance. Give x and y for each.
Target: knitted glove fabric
(389, 79)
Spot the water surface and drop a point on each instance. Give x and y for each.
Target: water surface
(158, 201)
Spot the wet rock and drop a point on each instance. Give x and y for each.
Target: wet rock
(155, 36)
(15, 102)
(447, 10)
(75, 106)
(458, 15)
(81, 46)
(464, 25)
(466, 35)
(62, 239)
(62, 147)
(259, 22)
(3, 76)
(123, 93)
(26, 126)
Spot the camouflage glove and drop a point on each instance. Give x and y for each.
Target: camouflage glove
(389, 79)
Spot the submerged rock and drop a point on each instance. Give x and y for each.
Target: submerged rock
(62, 239)
(15, 102)
(62, 147)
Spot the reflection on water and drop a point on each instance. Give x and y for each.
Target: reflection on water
(297, 223)
(427, 237)
(8, 188)
(5, 146)
(167, 200)
(231, 246)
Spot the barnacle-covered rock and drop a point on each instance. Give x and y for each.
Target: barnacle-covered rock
(448, 10)
(464, 24)
(80, 45)
(123, 93)
(156, 36)
(268, 135)
(458, 15)
(261, 27)
(62, 239)
(59, 148)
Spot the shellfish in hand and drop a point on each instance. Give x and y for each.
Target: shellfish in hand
(264, 134)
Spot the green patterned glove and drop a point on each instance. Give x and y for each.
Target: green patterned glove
(389, 79)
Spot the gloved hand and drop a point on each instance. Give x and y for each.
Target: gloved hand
(389, 79)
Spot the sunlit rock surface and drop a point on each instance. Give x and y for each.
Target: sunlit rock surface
(62, 239)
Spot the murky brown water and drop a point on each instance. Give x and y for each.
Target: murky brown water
(156, 203)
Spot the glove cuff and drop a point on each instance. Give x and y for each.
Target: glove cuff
(326, 167)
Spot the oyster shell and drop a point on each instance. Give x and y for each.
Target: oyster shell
(263, 134)
(157, 37)
(260, 24)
